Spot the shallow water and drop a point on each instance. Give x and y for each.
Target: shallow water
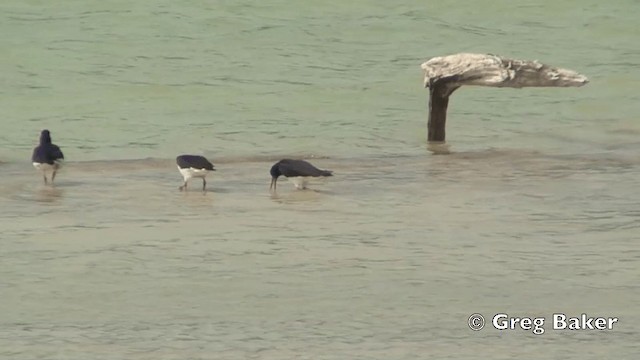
(533, 211)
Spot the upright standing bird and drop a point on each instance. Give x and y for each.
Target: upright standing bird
(192, 166)
(47, 157)
(297, 171)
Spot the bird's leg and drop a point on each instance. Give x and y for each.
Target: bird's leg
(44, 176)
(184, 186)
(53, 176)
(204, 184)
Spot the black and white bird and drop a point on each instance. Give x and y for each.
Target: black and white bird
(193, 166)
(297, 171)
(47, 157)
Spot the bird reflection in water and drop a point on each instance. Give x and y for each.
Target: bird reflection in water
(48, 194)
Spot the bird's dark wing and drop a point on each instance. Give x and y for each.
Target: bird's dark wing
(55, 152)
(194, 161)
(35, 157)
(292, 168)
(47, 153)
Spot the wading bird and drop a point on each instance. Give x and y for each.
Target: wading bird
(297, 171)
(47, 157)
(193, 166)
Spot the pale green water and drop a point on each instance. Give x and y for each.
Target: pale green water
(534, 212)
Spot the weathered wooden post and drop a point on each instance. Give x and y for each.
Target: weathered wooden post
(443, 75)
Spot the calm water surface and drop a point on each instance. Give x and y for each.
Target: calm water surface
(534, 211)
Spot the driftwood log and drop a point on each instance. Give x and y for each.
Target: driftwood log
(444, 75)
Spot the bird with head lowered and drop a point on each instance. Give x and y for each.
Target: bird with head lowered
(193, 166)
(299, 172)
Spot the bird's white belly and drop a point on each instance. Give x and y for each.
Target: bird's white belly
(300, 182)
(189, 173)
(47, 167)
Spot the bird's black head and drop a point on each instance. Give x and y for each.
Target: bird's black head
(275, 173)
(45, 137)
